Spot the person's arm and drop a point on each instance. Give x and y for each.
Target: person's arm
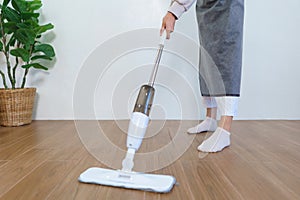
(177, 8)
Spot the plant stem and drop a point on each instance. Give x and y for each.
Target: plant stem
(24, 78)
(14, 71)
(27, 69)
(3, 78)
(15, 67)
(6, 53)
(9, 69)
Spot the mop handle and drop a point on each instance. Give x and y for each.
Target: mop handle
(157, 60)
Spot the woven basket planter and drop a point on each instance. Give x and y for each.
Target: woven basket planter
(16, 106)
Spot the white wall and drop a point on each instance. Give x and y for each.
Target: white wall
(270, 73)
(270, 83)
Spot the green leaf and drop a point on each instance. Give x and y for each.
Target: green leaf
(19, 5)
(44, 57)
(10, 14)
(25, 36)
(23, 25)
(28, 16)
(34, 65)
(1, 46)
(24, 54)
(12, 42)
(27, 47)
(41, 29)
(6, 2)
(45, 48)
(10, 27)
(34, 5)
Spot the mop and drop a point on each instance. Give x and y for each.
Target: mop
(126, 178)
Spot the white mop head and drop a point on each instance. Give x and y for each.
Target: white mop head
(132, 180)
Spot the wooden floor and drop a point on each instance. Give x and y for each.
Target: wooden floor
(43, 161)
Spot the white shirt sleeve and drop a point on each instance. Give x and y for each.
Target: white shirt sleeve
(178, 7)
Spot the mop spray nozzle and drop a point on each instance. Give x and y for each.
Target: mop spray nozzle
(127, 163)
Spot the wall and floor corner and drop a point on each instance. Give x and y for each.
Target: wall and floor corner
(270, 68)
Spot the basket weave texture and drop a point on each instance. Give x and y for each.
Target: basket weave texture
(16, 106)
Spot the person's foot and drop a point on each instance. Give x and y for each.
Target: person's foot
(209, 124)
(216, 142)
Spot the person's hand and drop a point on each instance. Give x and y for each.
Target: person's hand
(168, 24)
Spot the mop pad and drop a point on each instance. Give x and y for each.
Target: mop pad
(129, 180)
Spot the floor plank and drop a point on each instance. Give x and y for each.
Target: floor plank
(2, 162)
(70, 188)
(41, 181)
(250, 180)
(15, 170)
(10, 135)
(35, 136)
(207, 181)
(281, 177)
(43, 160)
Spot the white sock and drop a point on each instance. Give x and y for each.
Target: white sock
(209, 124)
(216, 142)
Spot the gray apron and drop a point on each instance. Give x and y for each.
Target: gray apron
(221, 37)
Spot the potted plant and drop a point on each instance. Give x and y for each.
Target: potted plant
(21, 49)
